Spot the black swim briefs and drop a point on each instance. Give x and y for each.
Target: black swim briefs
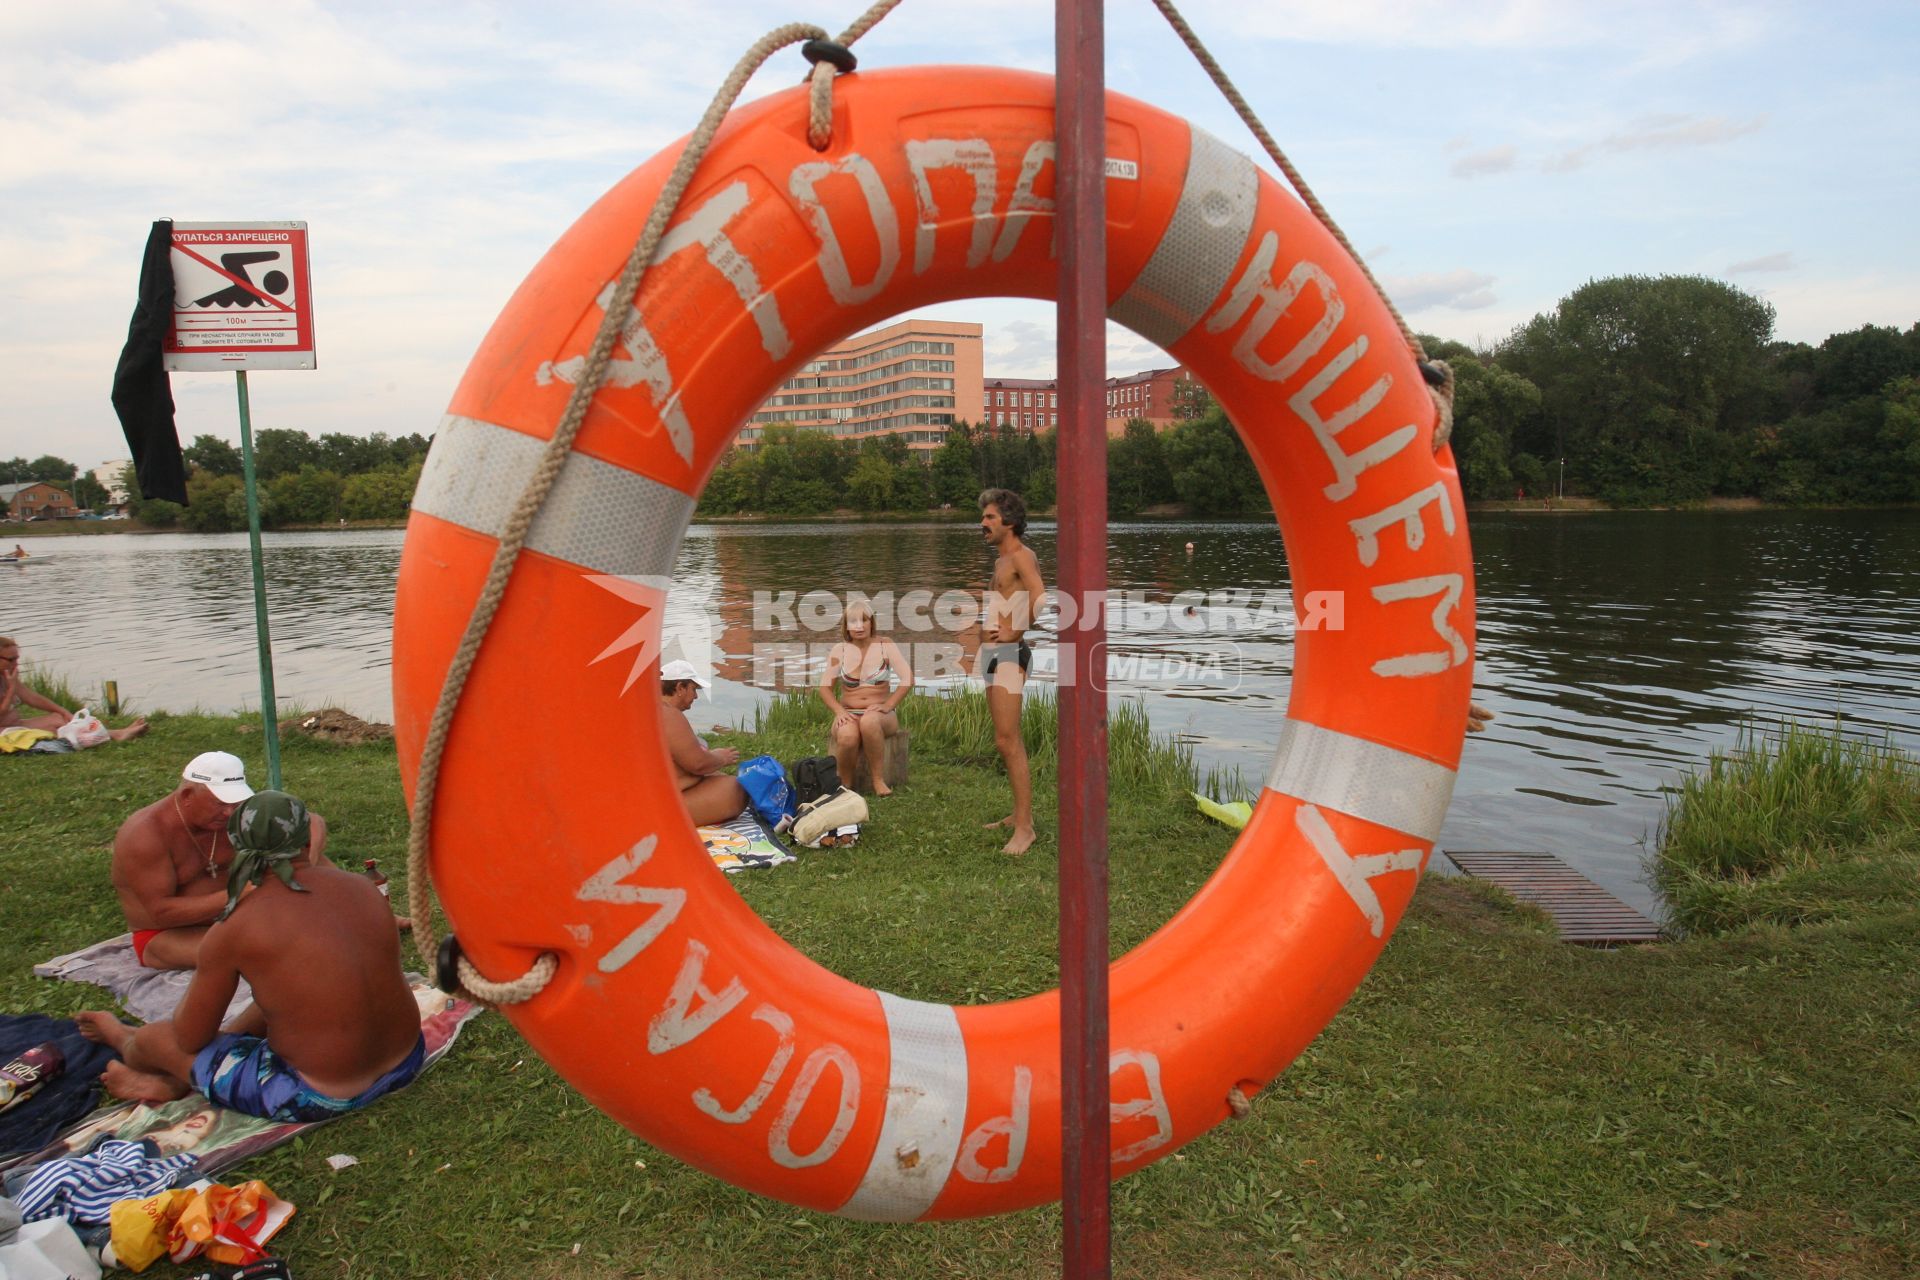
(994, 654)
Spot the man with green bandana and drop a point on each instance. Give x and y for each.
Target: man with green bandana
(332, 1026)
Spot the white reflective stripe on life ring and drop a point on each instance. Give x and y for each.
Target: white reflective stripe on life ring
(925, 1116)
(599, 516)
(1365, 780)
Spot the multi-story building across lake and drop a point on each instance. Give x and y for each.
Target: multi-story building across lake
(916, 378)
(912, 379)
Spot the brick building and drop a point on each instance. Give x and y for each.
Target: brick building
(1031, 404)
(1153, 395)
(36, 500)
(911, 379)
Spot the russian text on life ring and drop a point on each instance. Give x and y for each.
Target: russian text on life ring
(675, 1008)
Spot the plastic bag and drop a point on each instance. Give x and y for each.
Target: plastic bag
(83, 731)
(141, 1227)
(228, 1224)
(767, 788)
(47, 1250)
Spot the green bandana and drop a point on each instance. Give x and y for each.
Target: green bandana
(269, 833)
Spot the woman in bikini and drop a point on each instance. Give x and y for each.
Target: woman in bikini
(867, 677)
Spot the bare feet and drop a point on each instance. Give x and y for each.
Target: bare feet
(1021, 841)
(403, 923)
(880, 788)
(1004, 822)
(124, 1082)
(104, 1028)
(134, 730)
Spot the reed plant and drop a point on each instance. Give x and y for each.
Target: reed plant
(52, 684)
(1794, 824)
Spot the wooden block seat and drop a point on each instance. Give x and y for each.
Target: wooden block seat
(895, 766)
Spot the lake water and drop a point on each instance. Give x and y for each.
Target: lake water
(1616, 649)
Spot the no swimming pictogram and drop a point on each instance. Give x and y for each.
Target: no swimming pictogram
(240, 297)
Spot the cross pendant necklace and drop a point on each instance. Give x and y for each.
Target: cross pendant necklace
(213, 871)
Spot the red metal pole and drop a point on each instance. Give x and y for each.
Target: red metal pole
(1080, 130)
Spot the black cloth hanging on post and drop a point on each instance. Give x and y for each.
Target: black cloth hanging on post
(141, 394)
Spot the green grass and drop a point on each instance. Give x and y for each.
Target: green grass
(1492, 1104)
(1794, 825)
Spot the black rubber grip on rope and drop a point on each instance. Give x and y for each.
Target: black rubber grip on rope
(841, 57)
(1433, 374)
(446, 968)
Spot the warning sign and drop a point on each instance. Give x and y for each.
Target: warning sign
(241, 297)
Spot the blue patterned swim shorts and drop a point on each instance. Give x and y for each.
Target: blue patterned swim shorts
(244, 1074)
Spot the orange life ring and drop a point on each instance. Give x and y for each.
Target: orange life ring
(675, 1008)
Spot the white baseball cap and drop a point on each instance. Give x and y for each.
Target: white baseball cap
(220, 772)
(681, 669)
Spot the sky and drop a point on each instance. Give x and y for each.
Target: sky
(1486, 159)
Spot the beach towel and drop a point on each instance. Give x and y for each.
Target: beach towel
(148, 995)
(221, 1138)
(744, 844)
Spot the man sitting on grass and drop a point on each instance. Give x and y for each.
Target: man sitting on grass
(709, 795)
(170, 860)
(319, 948)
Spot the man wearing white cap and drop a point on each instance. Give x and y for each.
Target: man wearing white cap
(710, 795)
(170, 860)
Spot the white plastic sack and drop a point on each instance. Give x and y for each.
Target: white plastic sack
(47, 1250)
(83, 731)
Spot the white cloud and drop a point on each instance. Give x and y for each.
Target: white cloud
(1661, 132)
(1492, 160)
(1452, 290)
(1771, 262)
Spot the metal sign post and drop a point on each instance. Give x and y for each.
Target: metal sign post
(1080, 129)
(242, 299)
(263, 641)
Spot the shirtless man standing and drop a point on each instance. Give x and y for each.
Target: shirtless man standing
(1015, 594)
(332, 1026)
(170, 860)
(710, 795)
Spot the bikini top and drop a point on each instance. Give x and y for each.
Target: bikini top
(851, 681)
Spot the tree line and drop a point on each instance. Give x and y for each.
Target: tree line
(302, 480)
(798, 471)
(1672, 389)
(1637, 390)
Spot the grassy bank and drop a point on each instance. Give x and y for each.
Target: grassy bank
(1795, 824)
(1491, 1104)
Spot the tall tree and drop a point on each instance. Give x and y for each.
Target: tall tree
(56, 471)
(280, 451)
(1638, 374)
(214, 456)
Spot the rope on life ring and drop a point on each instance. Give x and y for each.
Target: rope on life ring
(455, 969)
